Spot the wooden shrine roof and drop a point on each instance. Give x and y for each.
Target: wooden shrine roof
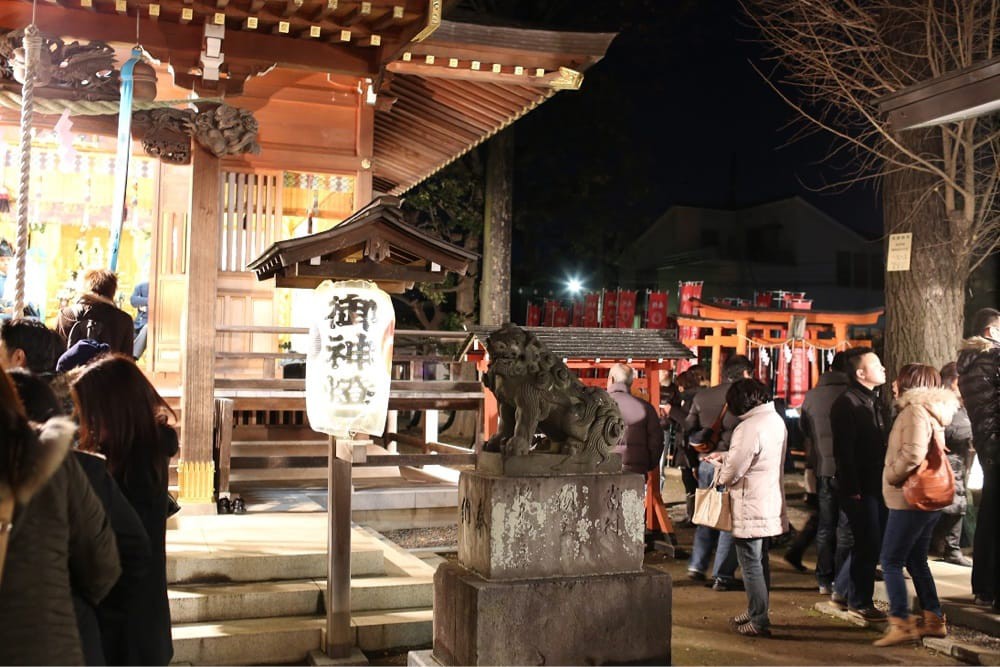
(442, 87)
(463, 85)
(375, 243)
(593, 343)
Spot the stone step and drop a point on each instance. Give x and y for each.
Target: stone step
(274, 640)
(215, 567)
(288, 639)
(268, 475)
(280, 449)
(201, 603)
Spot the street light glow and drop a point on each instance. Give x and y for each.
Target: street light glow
(574, 285)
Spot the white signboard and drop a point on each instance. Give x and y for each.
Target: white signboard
(349, 360)
(899, 252)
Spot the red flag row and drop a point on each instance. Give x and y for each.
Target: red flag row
(608, 309)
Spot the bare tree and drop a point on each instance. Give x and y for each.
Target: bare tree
(831, 60)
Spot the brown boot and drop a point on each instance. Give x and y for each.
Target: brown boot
(901, 631)
(933, 625)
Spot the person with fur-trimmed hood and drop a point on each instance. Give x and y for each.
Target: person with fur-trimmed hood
(95, 316)
(979, 382)
(57, 529)
(925, 409)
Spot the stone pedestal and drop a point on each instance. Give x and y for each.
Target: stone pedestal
(550, 572)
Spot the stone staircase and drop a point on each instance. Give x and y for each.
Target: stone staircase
(250, 589)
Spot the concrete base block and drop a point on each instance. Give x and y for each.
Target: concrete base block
(319, 659)
(422, 659)
(620, 619)
(535, 527)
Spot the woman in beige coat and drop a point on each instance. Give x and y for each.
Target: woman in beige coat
(752, 469)
(924, 409)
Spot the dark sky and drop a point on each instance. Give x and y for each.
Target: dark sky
(674, 114)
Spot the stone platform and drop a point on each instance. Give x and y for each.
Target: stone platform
(550, 572)
(569, 525)
(586, 620)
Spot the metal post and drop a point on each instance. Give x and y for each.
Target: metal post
(339, 642)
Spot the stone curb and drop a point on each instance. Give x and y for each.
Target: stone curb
(830, 609)
(967, 653)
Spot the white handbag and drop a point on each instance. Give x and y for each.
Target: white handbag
(713, 506)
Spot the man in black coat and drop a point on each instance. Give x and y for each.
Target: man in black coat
(979, 382)
(860, 430)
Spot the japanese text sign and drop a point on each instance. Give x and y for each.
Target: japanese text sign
(349, 361)
(898, 258)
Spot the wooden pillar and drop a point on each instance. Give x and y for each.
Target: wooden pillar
(741, 336)
(196, 470)
(494, 296)
(716, 355)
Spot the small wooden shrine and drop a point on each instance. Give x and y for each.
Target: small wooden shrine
(375, 244)
(647, 351)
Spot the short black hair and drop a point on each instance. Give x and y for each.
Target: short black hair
(983, 319)
(839, 362)
(745, 395)
(735, 366)
(852, 358)
(34, 338)
(40, 402)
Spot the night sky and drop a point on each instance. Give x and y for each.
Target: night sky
(674, 114)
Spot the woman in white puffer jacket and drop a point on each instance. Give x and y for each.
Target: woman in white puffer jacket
(753, 471)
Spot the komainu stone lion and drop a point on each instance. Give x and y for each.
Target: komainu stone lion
(536, 392)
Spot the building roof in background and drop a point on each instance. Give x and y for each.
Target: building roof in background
(605, 344)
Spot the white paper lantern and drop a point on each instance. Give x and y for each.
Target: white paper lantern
(349, 360)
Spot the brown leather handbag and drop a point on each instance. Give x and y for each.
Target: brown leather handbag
(932, 485)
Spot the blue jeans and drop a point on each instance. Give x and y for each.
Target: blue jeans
(906, 542)
(867, 520)
(753, 558)
(705, 540)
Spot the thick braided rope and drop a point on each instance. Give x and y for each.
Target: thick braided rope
(32, 47)
(11, 100)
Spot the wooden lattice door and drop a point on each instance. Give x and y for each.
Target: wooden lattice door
(250, 220)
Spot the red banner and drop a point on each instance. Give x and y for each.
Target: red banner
(534, 317)
(549, 319)
(590, 308)
(561, 317)
(578, 313)
(626, 309)
(610, 312)
(798, 377)
(656, 309)
(688, 292)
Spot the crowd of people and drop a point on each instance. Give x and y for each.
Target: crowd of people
(84, 453)
(862, 450)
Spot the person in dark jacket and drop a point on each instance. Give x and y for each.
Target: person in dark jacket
(60, 534)
(958, 439)
(816, 428)
(642, 443)
(123, 418)
(979, 382)
(41, 404)
(95, 316)
(689, 383)
(860, 428)
(708, 412)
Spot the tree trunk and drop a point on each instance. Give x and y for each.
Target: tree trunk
(494, 295)
(924, 307)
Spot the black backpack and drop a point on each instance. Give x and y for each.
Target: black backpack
(84, 327)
